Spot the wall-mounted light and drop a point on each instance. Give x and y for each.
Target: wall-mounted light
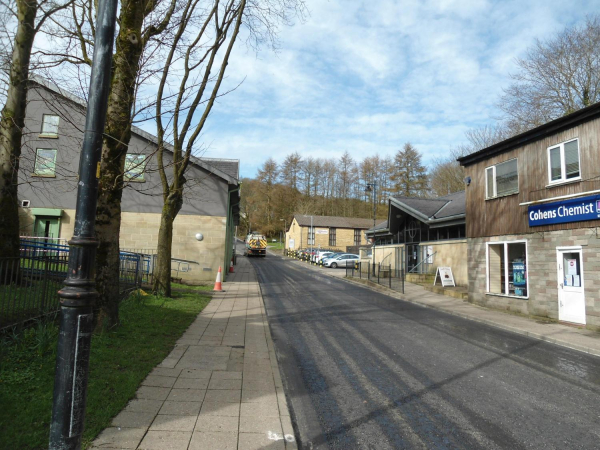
(199, 236)
(468, 181)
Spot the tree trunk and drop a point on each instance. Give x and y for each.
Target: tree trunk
(162, 271)
(12, 122)
(114, 149)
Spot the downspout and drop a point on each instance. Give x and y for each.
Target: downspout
(228, 235)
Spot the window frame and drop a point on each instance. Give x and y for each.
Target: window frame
(357, 236)
(495, 193)
(332, 237)
(505, 244)
(35, 163)
(140, 178)
(46, 133)
(311, 236)
(563, 169)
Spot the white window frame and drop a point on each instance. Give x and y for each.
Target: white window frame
(487, 267)
(493, 169)
(35, 163)
(47, 133)
(141, 174)
(563, 169)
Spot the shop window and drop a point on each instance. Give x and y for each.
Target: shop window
(332, 233)
(50, 125)
(134, 167)
(507, 268)
(502, 179)
(356, 237)
(563, 162)
(45, 162)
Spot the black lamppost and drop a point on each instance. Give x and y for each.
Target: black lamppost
(284, 232)
(372, 188)
(78, 296)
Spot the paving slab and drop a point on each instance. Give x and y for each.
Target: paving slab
(220, 386)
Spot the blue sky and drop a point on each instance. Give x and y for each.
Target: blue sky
(368, 76)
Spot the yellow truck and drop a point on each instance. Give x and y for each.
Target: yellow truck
(256, 245)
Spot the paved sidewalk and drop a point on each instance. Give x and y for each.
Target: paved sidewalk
(567, 336)
(220, 387)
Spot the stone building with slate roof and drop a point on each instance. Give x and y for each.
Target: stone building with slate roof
(422, 234)
(48, 180)
(327, 232)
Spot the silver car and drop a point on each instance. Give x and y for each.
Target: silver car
(340, 260)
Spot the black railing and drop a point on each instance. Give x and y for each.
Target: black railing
(384, 275)
(29, 284)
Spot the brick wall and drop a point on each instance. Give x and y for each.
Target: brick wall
(541, 272)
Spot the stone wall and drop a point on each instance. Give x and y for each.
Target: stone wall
(344, 237)
(541, 273)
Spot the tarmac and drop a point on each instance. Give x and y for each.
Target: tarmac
(219, 388)
(573, 337)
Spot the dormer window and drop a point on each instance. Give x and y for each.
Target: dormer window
(50, 125)
(563, 162)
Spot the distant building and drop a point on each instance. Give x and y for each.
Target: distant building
(533, 209)
(48, 188)
(422, 234)
(330, 232)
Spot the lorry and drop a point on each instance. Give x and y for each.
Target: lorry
(256, 245)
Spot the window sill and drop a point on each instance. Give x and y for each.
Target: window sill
(48, 136)
(501, 196)
(509, 296)
(39, 175)
(562, 183)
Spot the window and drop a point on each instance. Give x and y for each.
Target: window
(356, 237)
(45, 162)
(50, 125)
(134, 167)
(502, 179)
(332, 232)
(563, 162)
(507, 268)
(311, 235)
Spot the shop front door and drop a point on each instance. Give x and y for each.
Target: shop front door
(571, 296)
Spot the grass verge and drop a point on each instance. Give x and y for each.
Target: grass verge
(119, 361)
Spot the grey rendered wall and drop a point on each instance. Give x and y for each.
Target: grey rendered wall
(205, 193)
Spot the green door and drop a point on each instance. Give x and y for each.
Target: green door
(46, 226)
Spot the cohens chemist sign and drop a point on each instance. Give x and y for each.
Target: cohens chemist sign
(573, 210)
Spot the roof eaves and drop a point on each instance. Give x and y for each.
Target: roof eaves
(409, 210)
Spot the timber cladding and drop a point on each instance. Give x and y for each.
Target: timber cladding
(503, 215)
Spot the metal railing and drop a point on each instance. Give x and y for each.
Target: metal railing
(29, 284)
(384, 275)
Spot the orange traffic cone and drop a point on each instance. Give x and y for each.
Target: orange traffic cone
(231, 266)
(218, 281)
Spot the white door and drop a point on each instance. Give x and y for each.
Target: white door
(571, 297)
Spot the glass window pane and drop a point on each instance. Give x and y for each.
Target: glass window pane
(45, 162)
(496, 268)
(50, 124)
(555, 172)
(517, 269)
(507, 180)
(490, 182)
(134, 167)
(571, 160)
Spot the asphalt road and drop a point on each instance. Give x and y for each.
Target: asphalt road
(363, 370)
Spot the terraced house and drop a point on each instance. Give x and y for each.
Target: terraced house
(533, 218)
(48, 177)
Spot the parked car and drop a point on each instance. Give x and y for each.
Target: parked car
(321, 255)
(341, 260)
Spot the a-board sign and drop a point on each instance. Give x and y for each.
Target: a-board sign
(445, 276)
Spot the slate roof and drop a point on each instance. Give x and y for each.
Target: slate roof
(448, 206)
(334, 222)
(228, 169)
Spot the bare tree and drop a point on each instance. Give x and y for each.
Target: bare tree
(30, 16)
(555, 78)
(291, 169)
(446, 175)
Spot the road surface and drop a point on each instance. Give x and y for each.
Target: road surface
(363, 370)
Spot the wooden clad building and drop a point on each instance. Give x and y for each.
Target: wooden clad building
(533, 212)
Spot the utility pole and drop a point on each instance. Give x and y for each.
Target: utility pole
(372, 187)
(78, 296)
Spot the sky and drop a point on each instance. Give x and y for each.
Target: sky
(368, 76)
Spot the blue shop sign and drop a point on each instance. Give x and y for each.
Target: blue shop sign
(572, 210)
